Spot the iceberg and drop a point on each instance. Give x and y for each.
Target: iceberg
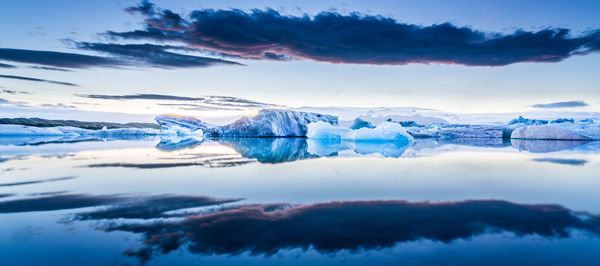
(525, 121)
(359, 123)
(73, 132)
(562, 120)
(181, 125)
(272, 123)
(267, 123)
(386, 131)
(559, 131)
(442, 131)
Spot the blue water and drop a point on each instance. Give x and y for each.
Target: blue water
(294, 201)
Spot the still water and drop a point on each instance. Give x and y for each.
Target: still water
(295, 201)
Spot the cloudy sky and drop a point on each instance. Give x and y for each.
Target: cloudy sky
(212, 58)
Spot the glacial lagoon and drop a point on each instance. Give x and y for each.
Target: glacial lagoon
(298, 201)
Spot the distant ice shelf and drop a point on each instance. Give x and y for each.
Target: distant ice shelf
(290, 123)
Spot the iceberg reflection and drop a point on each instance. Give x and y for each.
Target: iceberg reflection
(270, 150)
(543, 146)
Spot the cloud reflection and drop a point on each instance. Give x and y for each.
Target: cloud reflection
(566, 161)
(37, 181)
(350, 225)
(114, 206)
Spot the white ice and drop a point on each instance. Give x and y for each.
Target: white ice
(561, 131)
(386, 131)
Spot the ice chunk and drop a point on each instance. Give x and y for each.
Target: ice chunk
(525, 121)
(326, 131)
(272, 123)
(569, 131)
(182, 125)
(359, 123)
(386, 131)
(18, 130)
(460, 131)
(410, 124)
(562, 120)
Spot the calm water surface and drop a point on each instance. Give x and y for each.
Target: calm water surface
(295, 201)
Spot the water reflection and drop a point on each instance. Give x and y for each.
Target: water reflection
(115, 206)
(174, 144)
(545, 146)
(352, 226)
(37, 181)
(266, 229)
(565, 161)
(270, 150)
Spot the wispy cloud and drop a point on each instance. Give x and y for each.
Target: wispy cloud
(55, 59)
(118, 55)
(6, 66)
(50, 68)
(36, 181)
(38, 80)
(193, 103)
(7, 91)
(568, 104)
(354, 38)
(58, 105)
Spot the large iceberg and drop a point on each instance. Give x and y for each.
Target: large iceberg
(443, 131)
(559, 131)
(386, 131)
(267, 123)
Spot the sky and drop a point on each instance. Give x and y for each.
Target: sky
(225, 58)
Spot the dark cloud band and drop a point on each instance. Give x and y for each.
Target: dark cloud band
(197, 103)
(118, 55)
(354, 38)
(38, 80)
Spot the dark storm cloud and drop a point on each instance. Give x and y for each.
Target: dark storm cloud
(354, 38)
(36, 181)
(38, 80)
(575, 162)
(561, 104)
(352, 226)
(199, 102)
